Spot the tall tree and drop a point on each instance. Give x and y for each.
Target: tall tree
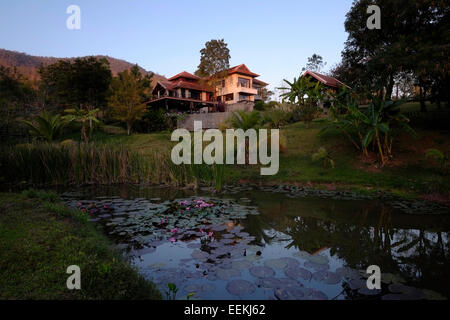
(215, 58)
(83, 83)
(413, 37)
(16, 97)
(315, 63)
(129, 92)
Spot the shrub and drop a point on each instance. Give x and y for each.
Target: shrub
(323, 155)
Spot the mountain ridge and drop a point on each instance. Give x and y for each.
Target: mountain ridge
(28, 65)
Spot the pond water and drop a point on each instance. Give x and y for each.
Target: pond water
(269, 243)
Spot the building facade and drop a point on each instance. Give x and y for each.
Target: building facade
(186, 92)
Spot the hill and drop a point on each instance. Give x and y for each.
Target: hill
(28, 65)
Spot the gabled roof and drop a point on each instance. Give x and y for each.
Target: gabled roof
(261, 83)
(172, 85)
(184, 74)
(165, 84)
(190, 85)
(326, 80)
(242, 69)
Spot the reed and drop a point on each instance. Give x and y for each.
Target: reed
(44, 164)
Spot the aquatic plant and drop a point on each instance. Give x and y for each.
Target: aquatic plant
(94, 163)
(172, 292)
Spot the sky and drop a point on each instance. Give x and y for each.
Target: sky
(273, 38)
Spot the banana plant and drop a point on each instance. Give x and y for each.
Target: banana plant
(82, 116)
(47, 126)
(305, 94)
(376, 126)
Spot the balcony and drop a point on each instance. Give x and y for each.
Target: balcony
(245, 88)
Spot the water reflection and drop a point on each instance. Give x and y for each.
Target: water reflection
(350, 233)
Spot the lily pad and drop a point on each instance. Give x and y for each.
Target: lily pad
(276, 263)
(268, 283)
(316, 266)
(262, 272)
(289, 293)
(219, 228)
(194, 245)
(225, 274)
(193, 288)
(208, 287)
(240, 287)
(391, 278)
(356, 284)
(240, 264)
(228, 236)
(227, 241)
(313, 294)
(347, 272)
(296, 272)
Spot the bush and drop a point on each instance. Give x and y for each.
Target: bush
(154, 120)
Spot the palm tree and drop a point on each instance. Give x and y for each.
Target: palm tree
(47, 126)
(82, 116)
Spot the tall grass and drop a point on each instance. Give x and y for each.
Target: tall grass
(90, 163)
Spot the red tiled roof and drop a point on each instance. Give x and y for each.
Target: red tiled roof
(262, 83)
(190, 85)
(242, 69)
(326, 80)
(184, 74)
(165, 84)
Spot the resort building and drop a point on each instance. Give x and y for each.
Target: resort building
(328, 82)
(185, 92)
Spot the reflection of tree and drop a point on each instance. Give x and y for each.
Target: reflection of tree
(409, 253)
(362, 235)
(257, 227)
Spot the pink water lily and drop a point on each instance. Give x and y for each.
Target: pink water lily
(172, 239)
(210, 234)
(174, 230)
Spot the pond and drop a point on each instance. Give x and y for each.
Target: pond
(274, 243)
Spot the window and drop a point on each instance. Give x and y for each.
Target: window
(244, 97)
(229, 97)
(243, 82)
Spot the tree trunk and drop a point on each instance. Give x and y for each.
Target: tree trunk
(423, 107)
(390, 87)
(128, 128)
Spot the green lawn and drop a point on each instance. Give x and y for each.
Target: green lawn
(408, 173)
(40, 238)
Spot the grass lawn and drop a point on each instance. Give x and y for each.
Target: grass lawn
(409, 173)
(40, 238)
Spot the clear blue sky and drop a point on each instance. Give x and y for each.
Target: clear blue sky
(273, 38)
